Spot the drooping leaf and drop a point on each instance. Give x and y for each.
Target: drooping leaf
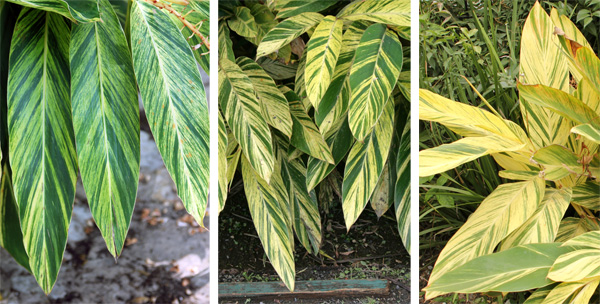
(518, 175)
(586, 195)
(273, 104)
(225, 50)
(322, 53)
(244, 115)
(570, 29)
(517, 269)
(197, 14)
(383, 194)
(588, 131)
(586, 240)
(271, 224)
(305, 135)
(264, 18)
(106, 123)
(583, 60)
(233, 157)
(571, 227)
(572, 292)
(364, 166)
(394, 12)
(307, 220)
(538, 296)
(340, 141)
(577, 265)
(373, 75)
(334, 104)
(503, 211)
(11, 237)
(42, 144)
(543, 225)
(539, 41)
(76, 10)
(402, 191)
(294, 7)
(222, 158)
(558, 162)
(243, 22)
(277, 69)
(173, 95)
(286, 31)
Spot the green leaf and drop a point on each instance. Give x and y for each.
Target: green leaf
(503, 211)
(273, 104)
(106, 123)
(175, 102)
(322, 54)
(305, 135)
(286, 31)
(294, 7)
(271, 222)
(233, 156)
(373, 75)
(244, 116)
(588, 131)
(76, 10)
(586, 195)
(243, 22)
(340, 141)
(307, 220)
(11, 237)
(42, 143)
(222, 158)
(517, 269)
(265, 20)
(393, 12)
(333, 107)
(543, 225)
(365, 164)
(402, 191)
(196, 13)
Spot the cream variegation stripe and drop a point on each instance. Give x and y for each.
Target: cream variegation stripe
(76, 10)
(538, 296)
(517, 269)
(244, 115)
(499, 214)
(448, 156)
(364, 166)
(558, 162)
(11, 237)
(586, 240)
(233, 156)
(588, 131)
(573, 292)
(542, 226)
(322, 53)
(586, 195)
(175, 102)
(41, 139)
(305, 135)
(570, 29)
(292, 8)
(286, 31)
(273, 104)
(394, 12)
(106, 123)
(583, 60)
(572, 227)
(402, 191)
(373, 75)
(542, 62)
(243, 22)
(272, 223)
(577, 265)
(222, 159)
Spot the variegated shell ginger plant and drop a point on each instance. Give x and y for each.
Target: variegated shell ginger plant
(322, 92)
(70, 104)
(540, 231)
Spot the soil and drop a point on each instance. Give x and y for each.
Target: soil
(372, 249)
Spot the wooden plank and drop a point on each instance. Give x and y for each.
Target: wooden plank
(304, 289)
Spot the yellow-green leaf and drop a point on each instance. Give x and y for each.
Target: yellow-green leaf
(76, 10)
(394, 12)
(558, 162)
(573, 292)
(586, 195)
(322, 54)
(222, 158)
(499, 214)
(571, 227)
(577, 265)
(373, 75)
(294, 7)
(588, 131)
(243, 22)
(286, 31)
(42, 151)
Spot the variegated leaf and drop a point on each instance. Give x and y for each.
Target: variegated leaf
(243, 22)
(222, 159)
(577, 265)
(76, 10)
(543, 225)
(521, 268)
(373, 75)
(538, 296)
(586, 195)
(583, 60)
(586, 240)
(273, 104)
(196, 13)
(565, 25)
(322, 53)
(305, 135)
(573, 292)
(244, 115)
(402, 191)
(271, 222)
(286, 31)
(558, 162)
(539, 41)
(499, 214)
(225, 50)
(294, 7)
(571, 227)
(106, 123)
(588, 131)
(394, 12)
(264, 18)
(364, 166)
(11, 237)
(175, 102)
(233, 157)
(41, 140)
